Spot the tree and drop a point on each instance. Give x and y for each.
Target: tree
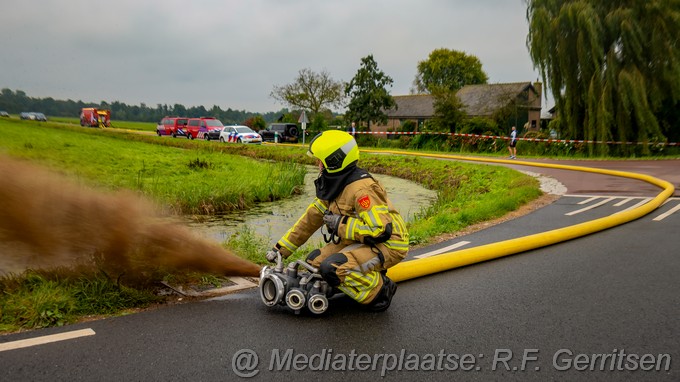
(216, 112)
(368, 97)
(310, 91)
(179, 110)
(448, 70)
(442, 75)
(448, 111)
(612, 66)
(256, 123)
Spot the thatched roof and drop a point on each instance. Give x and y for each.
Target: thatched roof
(484, 100)
(412, 106)
(478, 100)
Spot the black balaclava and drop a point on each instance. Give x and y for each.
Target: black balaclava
(329, 186)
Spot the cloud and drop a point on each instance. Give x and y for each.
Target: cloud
(231, 53)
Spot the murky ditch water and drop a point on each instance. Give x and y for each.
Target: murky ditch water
(272, 220)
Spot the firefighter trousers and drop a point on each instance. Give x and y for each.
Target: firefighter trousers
(354, 268)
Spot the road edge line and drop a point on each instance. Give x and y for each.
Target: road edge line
(13, 345)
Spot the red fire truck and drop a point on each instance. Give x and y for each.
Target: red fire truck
(92, 117)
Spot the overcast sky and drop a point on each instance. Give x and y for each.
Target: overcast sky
(231, 53)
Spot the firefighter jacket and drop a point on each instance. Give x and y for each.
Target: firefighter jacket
(368, 218)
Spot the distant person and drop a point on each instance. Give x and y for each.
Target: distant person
(513, 143)
(352, 130)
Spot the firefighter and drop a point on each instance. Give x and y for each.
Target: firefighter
(365, 234)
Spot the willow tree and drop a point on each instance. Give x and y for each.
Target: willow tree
(612, 66)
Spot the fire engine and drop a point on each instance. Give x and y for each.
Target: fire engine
(92, 117)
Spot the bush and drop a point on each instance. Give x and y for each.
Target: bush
(409, 126)
(429, 142)
(318, 124)
(480, 126)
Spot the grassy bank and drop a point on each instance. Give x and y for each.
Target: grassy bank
(467, 193)
(185, 181)
(171, 170)
(129, 125)
(37, 299)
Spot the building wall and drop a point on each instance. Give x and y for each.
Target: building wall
(394, 124)
(535, 99)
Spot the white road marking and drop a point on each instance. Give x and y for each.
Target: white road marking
(443, 250)
(590, 207)
(667, 213)
(589, 200)
(636, 205)
(239, 284)
(583, 196)
(45, 339)
(624, 201)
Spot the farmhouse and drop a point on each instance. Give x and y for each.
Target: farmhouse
(523, 99)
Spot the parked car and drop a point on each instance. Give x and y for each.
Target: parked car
(197, 127)
(40, 117)
(239, 134)
(4, 114)
(281, 132)
(33, 116)
(173, 126)
(213, 134)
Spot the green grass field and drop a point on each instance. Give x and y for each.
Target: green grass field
(140, 126)
(185, 181)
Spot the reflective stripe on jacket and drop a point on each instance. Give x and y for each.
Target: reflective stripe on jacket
(371, 219)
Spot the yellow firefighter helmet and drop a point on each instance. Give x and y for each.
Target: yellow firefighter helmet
(336, 149)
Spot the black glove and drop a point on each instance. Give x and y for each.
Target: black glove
(332, 221)
(272, 255)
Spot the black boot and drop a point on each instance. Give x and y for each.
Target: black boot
(382, 301)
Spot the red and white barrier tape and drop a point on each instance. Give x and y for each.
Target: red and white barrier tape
(549, 140)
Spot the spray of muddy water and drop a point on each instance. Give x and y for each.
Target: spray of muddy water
(49, 221)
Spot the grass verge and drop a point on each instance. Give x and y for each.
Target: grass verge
(43, 298)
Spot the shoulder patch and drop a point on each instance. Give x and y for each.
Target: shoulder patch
(364, 202)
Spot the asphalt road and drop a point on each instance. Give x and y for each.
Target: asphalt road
(578, 310)
(587, 183)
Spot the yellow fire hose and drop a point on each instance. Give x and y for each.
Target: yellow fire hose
(421, 267)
